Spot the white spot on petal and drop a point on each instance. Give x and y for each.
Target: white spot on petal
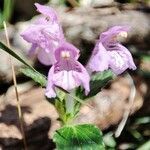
(123, 34)
(119, 62)
(65, 54)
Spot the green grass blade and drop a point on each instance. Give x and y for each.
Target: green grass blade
(12, 53)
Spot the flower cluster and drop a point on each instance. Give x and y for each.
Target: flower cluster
(50, 46)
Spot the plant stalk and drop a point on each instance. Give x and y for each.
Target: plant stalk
(16, 91)
(69, 104)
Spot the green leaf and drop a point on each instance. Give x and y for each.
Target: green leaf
(71, 95)
(142, 120)
(145, 146)
(61, 109)
(12, 53)
(36, 76)
(136, 134)
(8, 9)
(109, 140)
(61, 102)
(29, 70)
(145, 58)
(145, 74)
(77, 99)
(78, 137)
(1, 20)
(97, 82)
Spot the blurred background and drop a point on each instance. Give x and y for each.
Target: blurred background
(82, 21)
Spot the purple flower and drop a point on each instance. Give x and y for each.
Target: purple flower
(109, 53)
(47, 11)
(45, 35)
(67, 72)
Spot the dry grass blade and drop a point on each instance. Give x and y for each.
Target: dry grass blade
(127, 111)
(16, 90)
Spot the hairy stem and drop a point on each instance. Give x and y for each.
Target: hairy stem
(69, 104)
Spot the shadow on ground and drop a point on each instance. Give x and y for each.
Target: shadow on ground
(36, 133)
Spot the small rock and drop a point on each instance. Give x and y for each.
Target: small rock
(96, 3)
(108, 106)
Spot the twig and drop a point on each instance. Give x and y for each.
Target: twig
(127, 111)
(16, 91)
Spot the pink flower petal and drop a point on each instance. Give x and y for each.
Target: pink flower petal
(46, 58)
(45, 35)
(67, 72)
(108, 53)
(100, 58)
(47, 11)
